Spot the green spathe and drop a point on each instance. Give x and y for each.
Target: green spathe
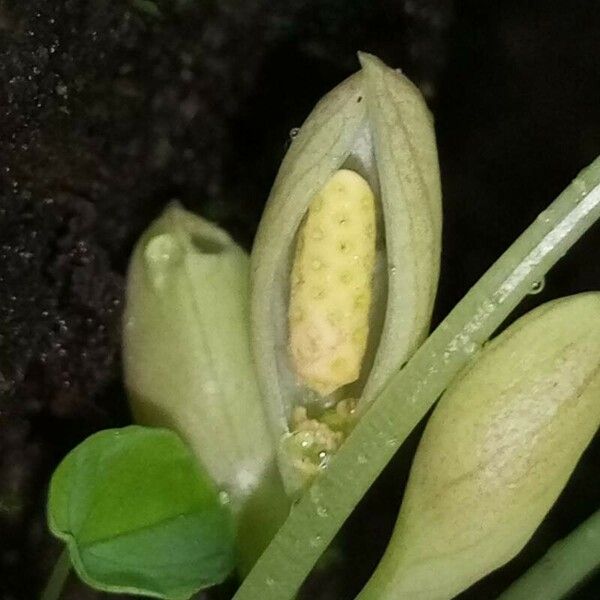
(496, 453)
(139, 516)
(376, 124)
(188, 366)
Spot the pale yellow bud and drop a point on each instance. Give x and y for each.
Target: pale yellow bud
(496, 453)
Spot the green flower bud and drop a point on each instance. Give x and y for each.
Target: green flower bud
(496, 453)
(346, 259)
(188, 364)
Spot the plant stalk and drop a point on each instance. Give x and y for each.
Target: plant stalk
(564, 567)
(58, 577)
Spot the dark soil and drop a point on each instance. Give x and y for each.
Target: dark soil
(110, 108)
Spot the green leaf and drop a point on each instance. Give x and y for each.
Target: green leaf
(139, 516)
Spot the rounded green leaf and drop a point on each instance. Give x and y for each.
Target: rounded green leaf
(139, 516)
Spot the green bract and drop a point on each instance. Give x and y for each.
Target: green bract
(375, 123)
(496, 453)
(188, 366)
(139, 516)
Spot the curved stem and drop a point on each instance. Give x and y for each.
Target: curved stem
(58, 577)
(409, 394)
(566, 565)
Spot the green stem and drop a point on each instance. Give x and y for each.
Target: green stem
(567, 564)
(58, 577)
(260, 517)
(408, 395)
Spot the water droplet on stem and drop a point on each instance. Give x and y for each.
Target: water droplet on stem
(537, 287)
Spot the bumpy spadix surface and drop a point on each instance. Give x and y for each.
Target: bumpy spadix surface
(331, 284)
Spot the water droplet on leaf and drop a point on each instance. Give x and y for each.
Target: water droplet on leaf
(537, 287)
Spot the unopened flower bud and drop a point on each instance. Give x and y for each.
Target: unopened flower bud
(496, 453)
(188, 364)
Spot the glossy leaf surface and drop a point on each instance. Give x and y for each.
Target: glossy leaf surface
(139, 516)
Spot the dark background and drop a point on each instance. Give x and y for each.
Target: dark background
(110, 108)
